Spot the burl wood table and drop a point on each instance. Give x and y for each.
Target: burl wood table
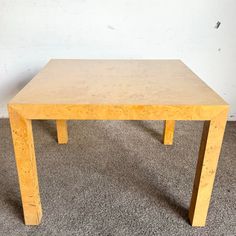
(117, 90)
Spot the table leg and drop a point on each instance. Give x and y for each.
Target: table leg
(209, 152)
(62, 134)
(26, 166)
(169, 132)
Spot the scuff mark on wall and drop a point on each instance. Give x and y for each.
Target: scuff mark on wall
(111, 27)
(218, 23)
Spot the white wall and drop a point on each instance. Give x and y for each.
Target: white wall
(33, 31)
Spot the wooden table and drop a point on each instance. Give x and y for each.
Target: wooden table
(117, 90)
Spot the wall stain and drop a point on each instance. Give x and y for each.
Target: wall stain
(111, 27)
(218, 23)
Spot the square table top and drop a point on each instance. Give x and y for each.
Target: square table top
(118, 82)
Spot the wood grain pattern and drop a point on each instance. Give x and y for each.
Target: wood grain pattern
(209, 152)
(117, 90)
(62, 132)
(117, 112)
(26, 167)
(117, 82)
(169, 129)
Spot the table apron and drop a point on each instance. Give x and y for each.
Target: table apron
(117, 112)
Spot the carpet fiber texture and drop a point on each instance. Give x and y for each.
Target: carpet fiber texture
(117, 178)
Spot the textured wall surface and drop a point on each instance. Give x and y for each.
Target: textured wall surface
(32, 32)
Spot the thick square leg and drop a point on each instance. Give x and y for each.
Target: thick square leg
(62, 133)
(26, 167)
(209, 152)
(169, 130)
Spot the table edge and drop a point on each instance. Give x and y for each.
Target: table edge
(117, 111)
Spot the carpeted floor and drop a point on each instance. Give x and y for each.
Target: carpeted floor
(116, 178)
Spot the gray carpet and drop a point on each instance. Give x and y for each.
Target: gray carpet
(116, 178)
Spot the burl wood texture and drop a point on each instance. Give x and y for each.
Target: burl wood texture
(117, 82)
(117, 90)
(62, 132)
(26, 167)
(209, 152)
(169, 129)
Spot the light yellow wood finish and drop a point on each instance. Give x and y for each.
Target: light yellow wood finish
(116, 90)
(117, 82)
(206, 168)
(26, 167)
(116, 112)
(62, 133)
(169, 130)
